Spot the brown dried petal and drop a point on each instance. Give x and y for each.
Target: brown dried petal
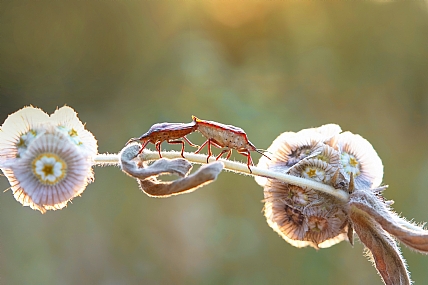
(205, 174)
(383, 249)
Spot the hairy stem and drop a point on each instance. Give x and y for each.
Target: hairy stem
(113, 159)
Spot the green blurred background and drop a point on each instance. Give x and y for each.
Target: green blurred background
(265, 66)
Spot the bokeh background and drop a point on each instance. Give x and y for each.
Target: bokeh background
(265, 66)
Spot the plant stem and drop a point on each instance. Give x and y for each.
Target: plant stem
(113, 159)
(105, 159)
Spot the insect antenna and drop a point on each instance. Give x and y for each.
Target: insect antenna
(261, 151)
(7, 189)
(132, 140)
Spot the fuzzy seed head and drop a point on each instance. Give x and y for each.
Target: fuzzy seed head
(305, 217)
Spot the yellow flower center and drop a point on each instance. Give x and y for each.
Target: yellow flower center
(21, 143)
(314, 173)
(49, 168)
(72, 133)
(311, 173)
(353, 162)
(350, 164)
(24, 141)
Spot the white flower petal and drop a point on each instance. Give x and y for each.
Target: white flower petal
(358, 156)
(66, 116)
(18, 131)
(24, 119)
(67, 121)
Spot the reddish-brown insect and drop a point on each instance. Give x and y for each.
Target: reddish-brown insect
(225, 136)
(173, 133)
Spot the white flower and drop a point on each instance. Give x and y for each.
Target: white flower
(359, 157)
(47, 160)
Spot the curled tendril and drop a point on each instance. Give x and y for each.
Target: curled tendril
(146, 175)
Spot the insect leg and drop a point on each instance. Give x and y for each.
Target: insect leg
(142, 147)
(201, 147)
(228, 155)
(209, 142)
(209, 150)
(189, 142)
(178, 142)
(229, 152)
(249, 159)
(158, 147)
(215, 144)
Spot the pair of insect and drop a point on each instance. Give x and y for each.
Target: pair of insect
(217, 134)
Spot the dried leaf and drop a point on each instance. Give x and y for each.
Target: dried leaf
(383, 249)
(204, 175)
(177, 166)
(411, 235)
(350, 234)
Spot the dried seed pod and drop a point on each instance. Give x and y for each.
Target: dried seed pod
(292, 195)
(324, 223)
(304, 217)
(288, 222)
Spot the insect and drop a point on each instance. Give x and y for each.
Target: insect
(173, 133)
(225, 136)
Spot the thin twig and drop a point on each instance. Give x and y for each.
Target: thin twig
(113, 159)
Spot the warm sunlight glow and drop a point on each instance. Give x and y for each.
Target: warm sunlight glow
(237, 13)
